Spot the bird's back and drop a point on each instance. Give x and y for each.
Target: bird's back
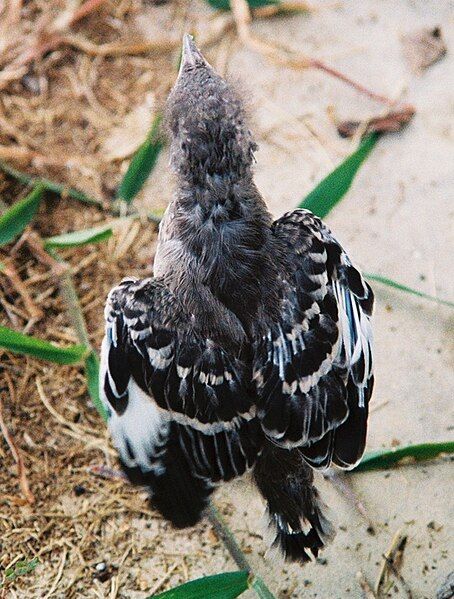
(251, 345)
(217, 252)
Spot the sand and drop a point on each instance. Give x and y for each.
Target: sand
(397, 220)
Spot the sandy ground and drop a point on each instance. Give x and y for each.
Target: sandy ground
(396, 220)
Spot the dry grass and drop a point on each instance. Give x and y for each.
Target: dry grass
(56, 113)
(76, 98)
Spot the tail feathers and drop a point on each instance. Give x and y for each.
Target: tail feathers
(179, 500)
(300, 528)
(297, 544)
(175, 490)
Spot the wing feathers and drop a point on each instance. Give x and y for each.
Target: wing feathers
(182, 409)
(185, 412)
(313, 370)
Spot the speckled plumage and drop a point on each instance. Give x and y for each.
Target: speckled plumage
(251, 345)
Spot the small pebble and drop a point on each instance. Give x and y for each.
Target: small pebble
(31, 83)
(79, 490)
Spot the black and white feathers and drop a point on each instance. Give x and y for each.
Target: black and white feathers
(251, 346)
(313, 367)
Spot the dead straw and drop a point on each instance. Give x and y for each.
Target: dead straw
(22, 472)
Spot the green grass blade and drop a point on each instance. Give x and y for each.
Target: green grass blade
(400, 287)
(220, 586)
(141, 164)
(78, 238)
(260, 588)
(38, 348)
(331, 190)
(58, 188)
(92, 374)
(225, 4)
(19, 215)
(384, 458)
(19, 569)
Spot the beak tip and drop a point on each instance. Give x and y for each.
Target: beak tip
(190, 55)
(188, 40)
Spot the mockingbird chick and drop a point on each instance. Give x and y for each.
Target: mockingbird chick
(251, 345)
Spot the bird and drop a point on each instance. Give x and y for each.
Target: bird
(249, 350)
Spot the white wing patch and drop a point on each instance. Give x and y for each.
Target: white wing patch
(140, 432)
(355, 334)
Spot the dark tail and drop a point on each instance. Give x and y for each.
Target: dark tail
(176, 491)
(294, 506)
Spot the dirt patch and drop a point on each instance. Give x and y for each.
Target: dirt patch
(96, 537)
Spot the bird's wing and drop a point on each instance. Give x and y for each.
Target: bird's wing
(313, 369)
(163, 384)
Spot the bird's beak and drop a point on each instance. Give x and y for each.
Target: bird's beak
(191, 55)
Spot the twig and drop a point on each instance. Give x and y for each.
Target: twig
(399, 576)
(85, 9)
(82, 432)
(12, 312)
(156, 46)
(392, 120)
(345, 489)
(318, 64)
(59, 575)
(10, 271)
(393, 556)
(118, 209)
(22, 473)
(162, 580)
(13, 12)
(36, 245)
(379, 406)
(16, 153)
(64, 274)
(115, 582)
(63, 190)
(282, 7)
(162, 46)
(242, 16)
(225, 535)
(46, 41)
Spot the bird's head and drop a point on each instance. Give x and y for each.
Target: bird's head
(206, 119)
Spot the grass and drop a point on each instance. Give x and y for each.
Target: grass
(48, 185)
(322, 199)
(21, 213)
(386, 458)
(329, 192)
(141, 164)
(32, 346)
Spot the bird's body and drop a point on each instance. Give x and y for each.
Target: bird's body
(249, 348)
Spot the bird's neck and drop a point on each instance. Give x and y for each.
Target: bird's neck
(216, 240)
